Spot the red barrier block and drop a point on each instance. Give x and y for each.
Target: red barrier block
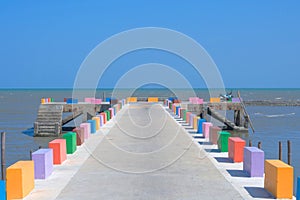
(236, 149)
(59, 150)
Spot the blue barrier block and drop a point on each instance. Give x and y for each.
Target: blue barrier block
(177, 110)
(93, 125)
(2, 190)
(200, 122)
(72, 101)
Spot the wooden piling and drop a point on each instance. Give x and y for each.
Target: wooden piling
(279, 151)
(3, 170)
(289, 152)
(250, 143)
(259, 145)
(30, 155)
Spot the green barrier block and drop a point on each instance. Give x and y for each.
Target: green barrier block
(107, 114)
(223, 141)
(70, 142)
(184, 115)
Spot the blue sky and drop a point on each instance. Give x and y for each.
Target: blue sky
(254, 43)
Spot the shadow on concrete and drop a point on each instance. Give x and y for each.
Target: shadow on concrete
(188, 127)
(212, 150)
(198, 136)
(192, 131)
(223, 160)
(204, 143)
(258, 192)
(237, 173)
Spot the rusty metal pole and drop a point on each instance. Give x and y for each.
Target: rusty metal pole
(280, 151)
(289, 152)
(250, 143)
(3, 163)
(259, 145)
(30, 154)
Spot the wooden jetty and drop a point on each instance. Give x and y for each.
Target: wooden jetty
(50, 120)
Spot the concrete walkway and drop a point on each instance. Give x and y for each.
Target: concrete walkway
(145, 154)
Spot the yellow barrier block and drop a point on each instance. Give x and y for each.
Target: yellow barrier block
(152, 99)
(97, 119)
(279, 179)
(195, 122)
(131, 99)
(19, 179)
(215, 100)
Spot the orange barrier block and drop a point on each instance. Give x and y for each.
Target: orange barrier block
(188, 117)
(59, 150)
(19, 179)
(131, 99)
(97, 119)
(215, 100)
(152, 99)
(236, 149)
(279, 179)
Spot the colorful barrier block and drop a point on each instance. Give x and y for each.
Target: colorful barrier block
(188, 117)
(101, 120)
(79, 135)
(93, 125)
(131, 99)
(214, 134)
(236, 149)
(192, 119)
(2, 190)
(235, 100)
(87, 129)
(253, 163)
(111, 112)
(19, 179)
(205, 129)
(195, 122)
(153, 99)
(70, 138)
(223, 141)
(177, 110)
(59, 150)
(108, 117)
(184, 114)
(72, 101)
(200, 122)
(279, 179)
(97, 119)
(215, 100)
(43, 163)
(104, 117)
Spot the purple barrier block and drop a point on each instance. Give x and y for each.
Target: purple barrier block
(253, 162)
(205, 129)
(43, 163)
(235, 100)
(101, 120)
(87, 129)
(192, 119)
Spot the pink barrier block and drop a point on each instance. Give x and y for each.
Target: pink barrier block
(87, 129)
(205, 129)
(98, 101)
(88, 99)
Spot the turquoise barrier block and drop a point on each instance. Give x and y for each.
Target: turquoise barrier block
(2, 190)
(200, 122)
(298, 188)
(93, 125)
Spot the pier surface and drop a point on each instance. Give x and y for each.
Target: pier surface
(143, 153)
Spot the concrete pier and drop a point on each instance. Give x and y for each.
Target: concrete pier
(142, 154)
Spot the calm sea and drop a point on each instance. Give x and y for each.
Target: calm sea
(18, 110)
